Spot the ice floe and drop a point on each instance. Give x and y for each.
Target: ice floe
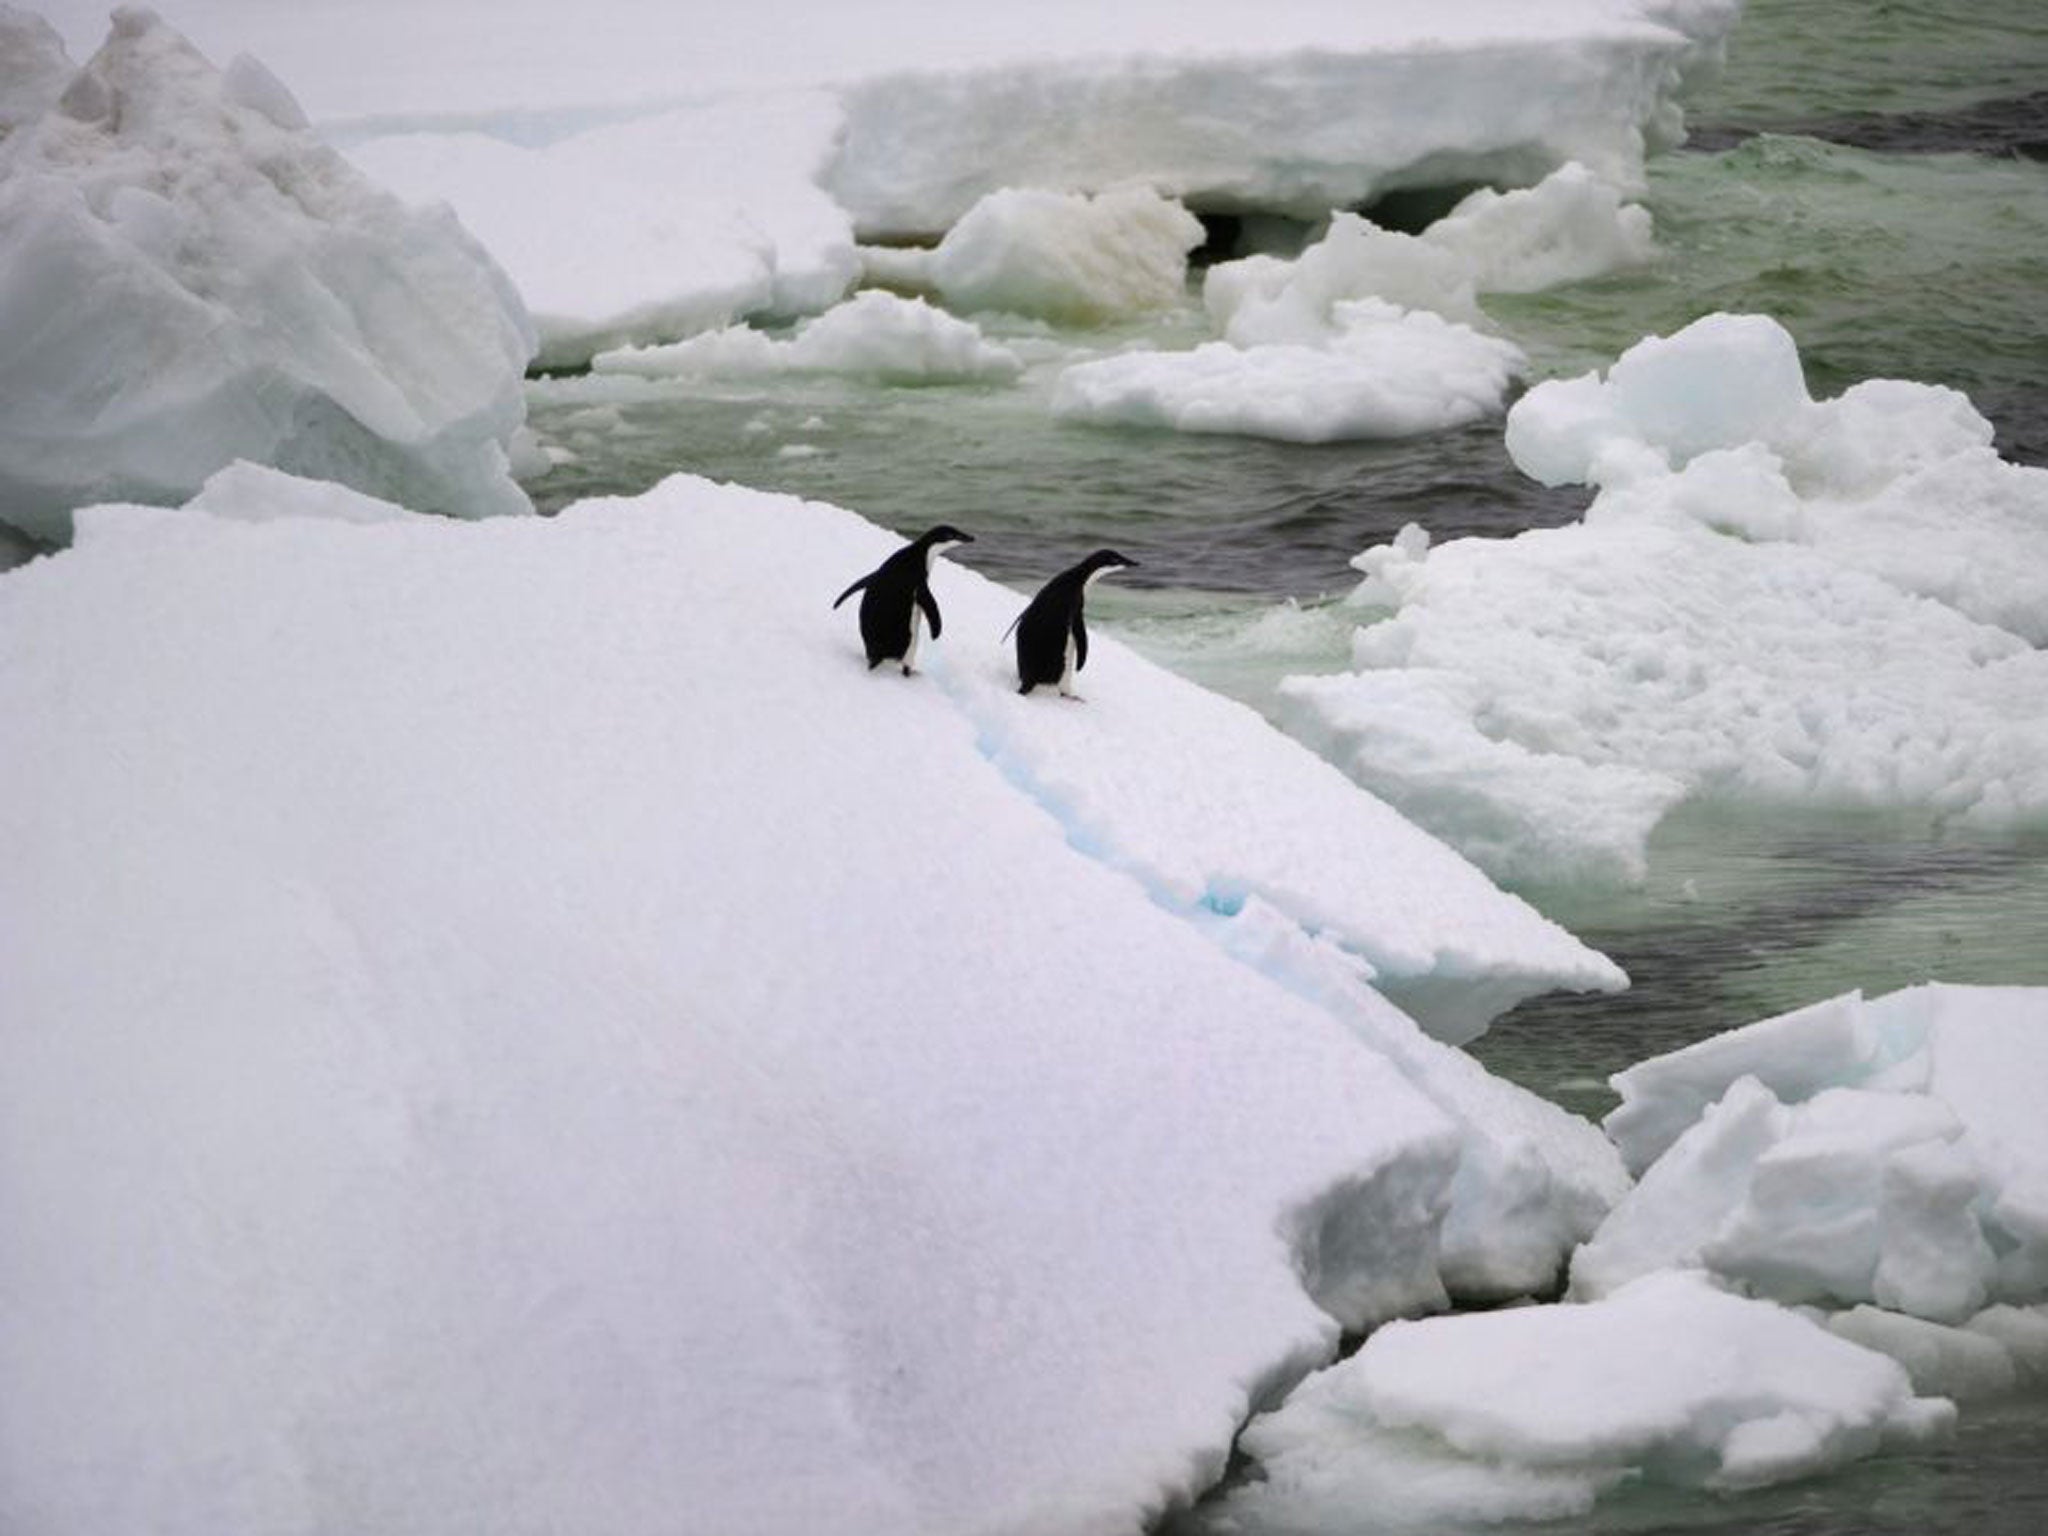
(571, 1044)
(1888, 1151)
(1063, 256)
(1771, 598)
(875, 333)
(1533, 1413)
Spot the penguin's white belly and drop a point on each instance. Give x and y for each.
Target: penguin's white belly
(916, 630)
(1067, 666)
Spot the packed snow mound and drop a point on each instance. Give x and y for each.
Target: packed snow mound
(1533, 1413)
(1890, 1152)
(1387, 372)
(904, 340)
(647, 230)
(188, 277)
(1771, 598)
(557, 1011)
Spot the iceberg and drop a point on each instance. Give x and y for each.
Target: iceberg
(1771, 599)
(188, 276)
(510, 1023)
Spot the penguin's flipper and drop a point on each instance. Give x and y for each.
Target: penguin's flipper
(1015, 622)
(930, 605)
(842, 597)
(1080, 642)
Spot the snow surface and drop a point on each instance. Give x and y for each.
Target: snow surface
(1532, 1413)
(188, 276)
(1889, 1151)
(643, 173)
(509, 1023)
(1838, 602)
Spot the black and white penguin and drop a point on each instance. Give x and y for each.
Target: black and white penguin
(1052, 639)
(898, 599)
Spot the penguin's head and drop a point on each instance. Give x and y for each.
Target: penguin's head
(944, 537)
(1103, 563)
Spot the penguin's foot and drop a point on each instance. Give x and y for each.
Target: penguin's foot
(908, 671)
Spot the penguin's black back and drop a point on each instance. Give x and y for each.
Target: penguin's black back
(1054, 615)
(892, 591)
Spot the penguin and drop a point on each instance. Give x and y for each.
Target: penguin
(899, 598)
(1052, 640)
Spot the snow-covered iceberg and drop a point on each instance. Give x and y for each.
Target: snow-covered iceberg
(510, 1023)
(189, 276)
(1771, 598)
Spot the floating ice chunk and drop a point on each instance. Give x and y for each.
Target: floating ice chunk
(1369, 332)
(1958, 1363)
(1721, 382)
(1265, 299)
(1387, 373)
(187, 278)
(1892, 477)
(1739, 614)
(1795, 1055)
(1567, 228)
(1063, 255)
(1571, 226)
(905, 340)
(1900, 1160)
(1534, 1412)
(2022, 1332)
